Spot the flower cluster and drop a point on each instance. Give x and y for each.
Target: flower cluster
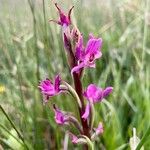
(79, 57)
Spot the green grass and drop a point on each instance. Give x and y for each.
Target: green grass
(32, 49)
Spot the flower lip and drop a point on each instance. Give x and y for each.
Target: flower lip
(96, 94)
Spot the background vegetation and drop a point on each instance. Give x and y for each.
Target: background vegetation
(31, 49)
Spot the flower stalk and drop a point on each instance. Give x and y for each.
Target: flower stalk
(79, 57)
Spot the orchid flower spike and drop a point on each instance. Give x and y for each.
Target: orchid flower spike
(86, 56)
(64, 20)
(94, 94)
(49, 89)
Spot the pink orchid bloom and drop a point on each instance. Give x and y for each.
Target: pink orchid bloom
(94, 94)
(64, 20)
(99, 129)
(86, 56)
(49, 89)
(74, 138)
(60, 117)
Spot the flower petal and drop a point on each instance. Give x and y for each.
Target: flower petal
(63, 19)
(93, 45)
(59, 116)
(93, 93)
(79, 51)
(107, 91)
(77, 68)
(57, 83)
(87, 112)
(73, 137)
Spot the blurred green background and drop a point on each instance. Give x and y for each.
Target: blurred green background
(31, 49)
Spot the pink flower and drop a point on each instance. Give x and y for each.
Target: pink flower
(77, 139)
(86, 56)
(94, 94)
(74, 138)
(49, 89)
(60, 117)
(64, 20)
(99, 129)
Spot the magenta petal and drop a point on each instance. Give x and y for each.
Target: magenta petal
(91, 65)
(87, 112)
(77, 68)
(93, 45)
(94, 93)
(98, 54)
(91, 89)
(57, 83)
(46, 87)
(107, 91)
(59, 116)
(79, 53)
(64, 19)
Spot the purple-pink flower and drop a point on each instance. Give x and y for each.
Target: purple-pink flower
(74, 138)
(86, 56)
(94, 94)
(60, 117)
(49, 89)
(64, 20)
(99, 129)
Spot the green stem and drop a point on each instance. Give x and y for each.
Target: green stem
(145, 32)
(6, 130)
(89, 142)
(13, 125)
(3, 142)
(73, 93)
(143, 140)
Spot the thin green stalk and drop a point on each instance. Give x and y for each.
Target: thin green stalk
(32, 7)
(6, 130)
(5, 144)
(45, 24)
(22, 97)
(89, 142)
(13, 125)
(144, 138)
(73, 93)
(36, 52)
(145, 32)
